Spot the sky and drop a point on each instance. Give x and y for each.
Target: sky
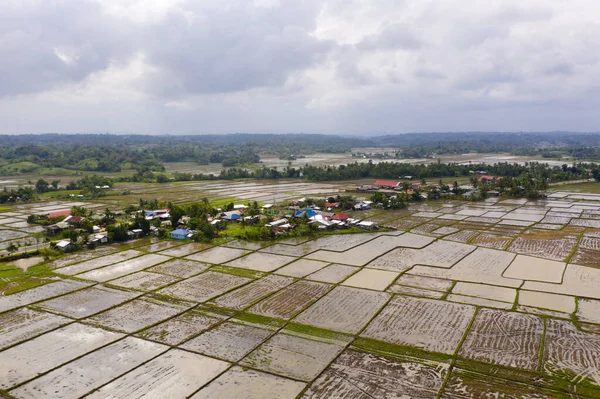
(313, 66)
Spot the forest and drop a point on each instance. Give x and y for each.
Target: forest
(24, 154)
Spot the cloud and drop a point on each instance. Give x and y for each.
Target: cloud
(286, 66)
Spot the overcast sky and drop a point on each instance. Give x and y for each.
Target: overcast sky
(322, 66)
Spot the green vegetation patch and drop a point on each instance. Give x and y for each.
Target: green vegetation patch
(237, 271)
(387, 349)
(318, 332)
(14, 279)
(258, 319)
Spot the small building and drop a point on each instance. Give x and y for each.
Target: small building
(231, 217)
(95, 229)
(180, 234)
(239, 207)
(415, 186)
(488, 178)
(340, 216)
(65, 246)
(53, 229)
(389, 184)
(367, 225)
(361, 206)
(99, 239)
(137, 233)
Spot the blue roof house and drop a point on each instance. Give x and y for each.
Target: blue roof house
(180, 234)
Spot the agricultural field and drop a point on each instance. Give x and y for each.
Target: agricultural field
(464, 300)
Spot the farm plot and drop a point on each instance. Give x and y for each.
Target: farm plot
(39, 294)
(577, 281)
(180, 268)
(501, 294)
(290, 250)
(301, 268)
(537, 302)
(159, 246)
(204, 286)
(427, 324)
(504, 338)
(263, 262)
(482, 266)
(11, 234)
(81, 256)
(462, 235)
(571, 354)
(414, 291)
(242, 383)
(138, 314)
(91, 371)
(174, 374)
(490, 240)
(185, 250)
(588, 252)
(25, 361)
(21, 324)
(144, 281)
(546, 244)
(218, 255)
(333, 273)
(428, 283)
(228, 341)
(123, 268)
(359, 375)
(292, 356)
(372, 279)
(586, 223)
(179, 329)
(245, 296)
(362, 254)
(87, 302)
(589, 310)
(291, 300)
(98, 262)
(440, 254)
(452, 216)
(464, 384)
(536, 269)
(344, 309)
(243, 244)
(407, 223)
(345, 242)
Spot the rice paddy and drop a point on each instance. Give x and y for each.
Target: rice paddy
(463, 301)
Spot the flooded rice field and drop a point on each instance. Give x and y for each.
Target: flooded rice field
(466, 300)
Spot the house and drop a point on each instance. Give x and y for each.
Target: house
(367, 225)
(99, 239)
(340, 216)
(239, 207)
(180, 234)
(389, 184)
(95, 229)
(231, 216)
(73, 220)
(361, 206)
(415, 186)
(65, 246)
(57, 214)
(277, 223)
(322, 224)
(53, 229)
(488, 178)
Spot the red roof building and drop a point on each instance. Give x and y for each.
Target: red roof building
(488, 178)
(57, 214)
(340, 216)
(386, 183)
